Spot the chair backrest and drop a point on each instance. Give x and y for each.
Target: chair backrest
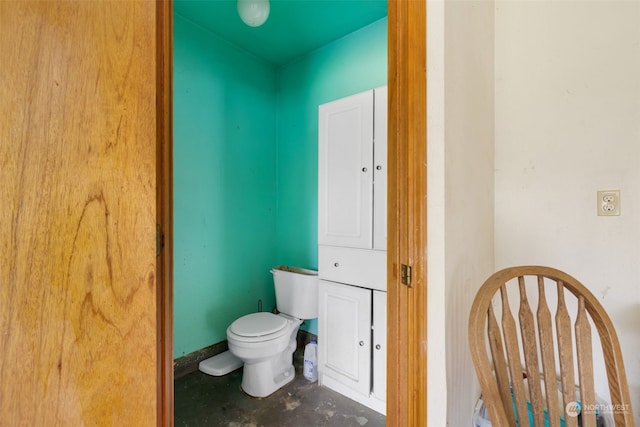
(542, 353)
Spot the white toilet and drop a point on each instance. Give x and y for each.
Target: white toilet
(265, 342)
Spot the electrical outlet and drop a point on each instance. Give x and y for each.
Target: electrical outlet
(609, 203)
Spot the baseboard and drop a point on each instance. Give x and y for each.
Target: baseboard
(189, 362)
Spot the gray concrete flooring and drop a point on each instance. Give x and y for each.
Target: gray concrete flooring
(203, 400)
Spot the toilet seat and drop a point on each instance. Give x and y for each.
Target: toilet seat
(258, 327)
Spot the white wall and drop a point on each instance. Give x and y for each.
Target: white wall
(436, 320)
(567, 123)
(469, 186)
(460, 191)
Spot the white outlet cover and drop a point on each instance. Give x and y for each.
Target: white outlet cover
(608, 202)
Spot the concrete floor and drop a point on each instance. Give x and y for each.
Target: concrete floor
(203, 400)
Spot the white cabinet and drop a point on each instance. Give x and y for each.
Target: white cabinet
(345, 328)
(380, 172)
(352, 342)
(379, 371)
(352, 239)
(359, 267)
(352, 171)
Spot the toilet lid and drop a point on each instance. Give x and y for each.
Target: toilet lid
(258, 324)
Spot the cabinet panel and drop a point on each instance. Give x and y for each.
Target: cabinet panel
(360, 267)
(345, 165)
(344, 334)
(380, 169)
(379, 386)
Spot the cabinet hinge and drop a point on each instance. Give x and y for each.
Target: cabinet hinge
(406, 274)
(159, 240)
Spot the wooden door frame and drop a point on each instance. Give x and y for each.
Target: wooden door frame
(164, 208)
(407, 214)
(406, 306)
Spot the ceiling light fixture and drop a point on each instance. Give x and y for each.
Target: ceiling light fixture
(253, 12)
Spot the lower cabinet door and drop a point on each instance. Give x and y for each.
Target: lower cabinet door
(344, 335)
(379, 386)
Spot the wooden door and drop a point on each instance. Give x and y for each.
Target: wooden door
(345, 172)
(78, 326)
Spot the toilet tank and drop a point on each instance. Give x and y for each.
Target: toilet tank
(296, 291)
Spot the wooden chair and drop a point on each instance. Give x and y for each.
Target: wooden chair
(502, 378)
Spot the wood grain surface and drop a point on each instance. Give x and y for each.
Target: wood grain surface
(407, 214)
(77, 224)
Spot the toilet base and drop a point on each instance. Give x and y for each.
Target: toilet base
(259, 382)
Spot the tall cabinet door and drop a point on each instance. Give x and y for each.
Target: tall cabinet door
(379, 386)
(345, 175)
(380, 169)
(344, 325)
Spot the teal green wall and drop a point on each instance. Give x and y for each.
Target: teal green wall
(245, 169)
(224, 186)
